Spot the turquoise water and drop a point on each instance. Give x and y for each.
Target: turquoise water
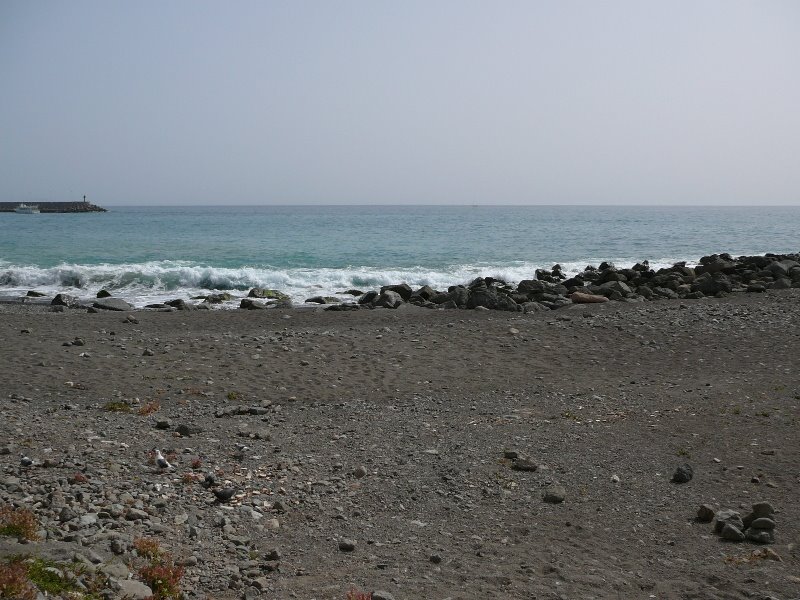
(146, 254)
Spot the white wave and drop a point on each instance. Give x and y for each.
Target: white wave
(152, 282)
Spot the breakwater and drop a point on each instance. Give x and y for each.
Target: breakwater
(56, 207)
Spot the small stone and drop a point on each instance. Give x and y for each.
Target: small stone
(555, 494)
(683, 474)
(763, 509)
(760, 536)
(732, 533)
(163, 424)
(346, 545)
(728, 516)
(148, 352)
(523, 464)
(705, 514)
(763, 523)
(511, 454)
(381, 595)
(435, 559)
(755, 479)
(261, 583)
(360, 472)
(130, 588)
(615, 478)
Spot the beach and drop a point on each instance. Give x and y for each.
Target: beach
(412, 453)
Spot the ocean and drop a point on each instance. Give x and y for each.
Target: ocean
(152, 254)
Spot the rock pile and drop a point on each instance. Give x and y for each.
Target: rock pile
(757, 526)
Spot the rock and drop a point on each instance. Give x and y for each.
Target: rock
(251, 304)
(148, 352)
(218, 298)
(725, 517)
(763, 509)
(65, 300)
(381, 595)
(360, 472)
(583, 298)
(181, 304)
(705, 514)
(555, 494)
(131, 589)
(103, 294)
(163, 424)
(322, 300)
(403, 290)
(187, 430)
(523, 464)
(763, 523)
(117, 304)
(760, 536)
(388, 299)
(731, 533)
(683, 474)
(347, 545)
(268, 294)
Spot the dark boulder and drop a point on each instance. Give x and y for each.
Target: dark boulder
(711, 285)
(181, 304)
(403, 289)
(112, 304)
(531, 286)
(103, 294)
(368, 298)
(426, 292)
(458, 294)
(388, 299)
(251, 304)
(65, 300)
(267, 294)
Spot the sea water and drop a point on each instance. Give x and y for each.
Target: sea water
(151, 254)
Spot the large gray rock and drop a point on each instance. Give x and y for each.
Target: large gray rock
(65, 300)
(458, 294)
(131, 589)
(712, 284)
(403, 289)
(251, 304)
(112, 304)
(388, 299)
(267, 294)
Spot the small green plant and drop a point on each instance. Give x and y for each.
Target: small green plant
(117, 406)
(737, 410)
(14, 581)
(163, 576)
(232, 396)
(18, 523)
(147, 547)
(683, 452)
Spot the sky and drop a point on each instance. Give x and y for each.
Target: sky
(413, 102)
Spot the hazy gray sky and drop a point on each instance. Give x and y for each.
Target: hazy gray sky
(431, 101)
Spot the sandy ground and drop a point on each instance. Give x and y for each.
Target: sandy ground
(393, 429)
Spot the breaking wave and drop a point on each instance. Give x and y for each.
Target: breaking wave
(157, 281)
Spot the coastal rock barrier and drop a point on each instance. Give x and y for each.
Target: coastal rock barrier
(716, 275)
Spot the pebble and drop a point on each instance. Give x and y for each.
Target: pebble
(347, 545)
(683, 474)
(705, 514)
(555, 494)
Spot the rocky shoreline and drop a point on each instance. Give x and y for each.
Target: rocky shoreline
(602, 450)
(715, 275)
